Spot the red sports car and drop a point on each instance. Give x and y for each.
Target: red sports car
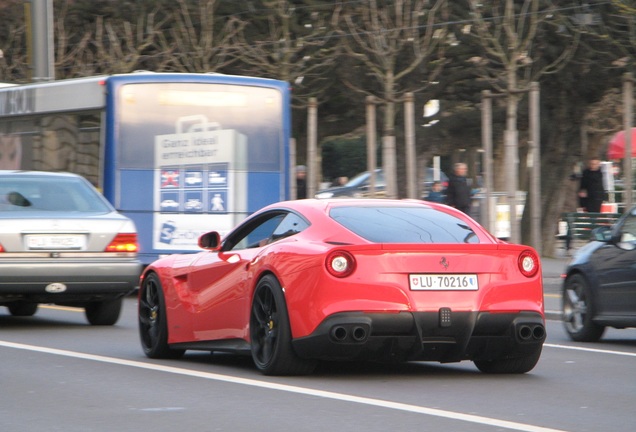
(381, 280)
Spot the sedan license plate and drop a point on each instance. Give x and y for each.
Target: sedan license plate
(443, 282)
(45, 242)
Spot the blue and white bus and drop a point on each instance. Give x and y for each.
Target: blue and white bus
(180, 154)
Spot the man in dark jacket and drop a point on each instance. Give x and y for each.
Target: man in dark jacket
(458, 193)
(301, 182)
(591, 190)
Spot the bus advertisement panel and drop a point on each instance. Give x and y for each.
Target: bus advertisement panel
(180, 154)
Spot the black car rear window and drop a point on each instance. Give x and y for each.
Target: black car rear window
(404, 225)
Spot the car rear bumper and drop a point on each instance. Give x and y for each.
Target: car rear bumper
(52, 281)
(443, 336)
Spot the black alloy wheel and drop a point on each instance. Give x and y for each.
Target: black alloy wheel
(578, 310)
(153, 326)
(270, 332)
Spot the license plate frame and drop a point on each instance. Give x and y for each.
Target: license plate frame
(55, 242)
(443, 282)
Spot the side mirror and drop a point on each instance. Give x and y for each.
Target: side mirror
(210, 241)
(602, 234)
(628, 246)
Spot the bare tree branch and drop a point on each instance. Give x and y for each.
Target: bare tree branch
(391, 41)
(198, 41)
(296, 46)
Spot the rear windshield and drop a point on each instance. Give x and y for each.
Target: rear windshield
(49, 194)
(404, 225)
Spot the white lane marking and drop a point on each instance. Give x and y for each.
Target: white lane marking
(594, 350)
(289, 388)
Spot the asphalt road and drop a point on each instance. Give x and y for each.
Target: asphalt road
(60, 374)
(552, 268)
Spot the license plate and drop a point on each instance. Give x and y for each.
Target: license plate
(443, 282)
(56, 241)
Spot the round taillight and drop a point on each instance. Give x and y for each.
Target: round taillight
(528, 263)
(340, 263)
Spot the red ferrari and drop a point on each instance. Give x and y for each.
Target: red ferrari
(381, 280)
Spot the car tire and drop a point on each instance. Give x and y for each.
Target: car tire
(270, 332)
(22, 308)
(103, 313)
(518, 365)
(153, 322)
(578, 310)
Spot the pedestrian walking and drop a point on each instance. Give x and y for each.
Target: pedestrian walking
(301, 182)
(458, 192)
(591, 190)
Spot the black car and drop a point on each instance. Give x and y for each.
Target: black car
(599, 289)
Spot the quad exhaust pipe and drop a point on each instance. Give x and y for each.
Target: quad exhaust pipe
(356, 333)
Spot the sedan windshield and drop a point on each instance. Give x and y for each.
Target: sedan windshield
(404, 225)
(47, 194)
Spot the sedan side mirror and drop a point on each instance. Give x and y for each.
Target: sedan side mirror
(602, 234)
(210, 241)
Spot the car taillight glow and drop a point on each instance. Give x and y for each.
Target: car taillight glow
(340, 263)
(1, 248)
(123, 243)
(528, 263)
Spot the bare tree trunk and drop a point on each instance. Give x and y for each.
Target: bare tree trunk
(389, 156)
(512, 152)
(564, 147)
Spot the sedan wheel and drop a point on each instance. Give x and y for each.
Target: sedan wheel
(578, 311)
(271, 334)
(103, 313)
(153, 325)
(22, 308)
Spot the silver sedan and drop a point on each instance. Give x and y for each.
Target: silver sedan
(62, 242)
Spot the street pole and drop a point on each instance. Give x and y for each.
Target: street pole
(312, 146)
(411, 162)
(486, 138)
(628, 104)
(293, 188)
(371, 143)
(389, 165)
(511, 159)
(535, 174)
(39, 16)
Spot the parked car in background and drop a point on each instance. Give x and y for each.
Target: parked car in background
(349, 279)
(431, 176)
(62, 242)
(357, 187)
(599, 289)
